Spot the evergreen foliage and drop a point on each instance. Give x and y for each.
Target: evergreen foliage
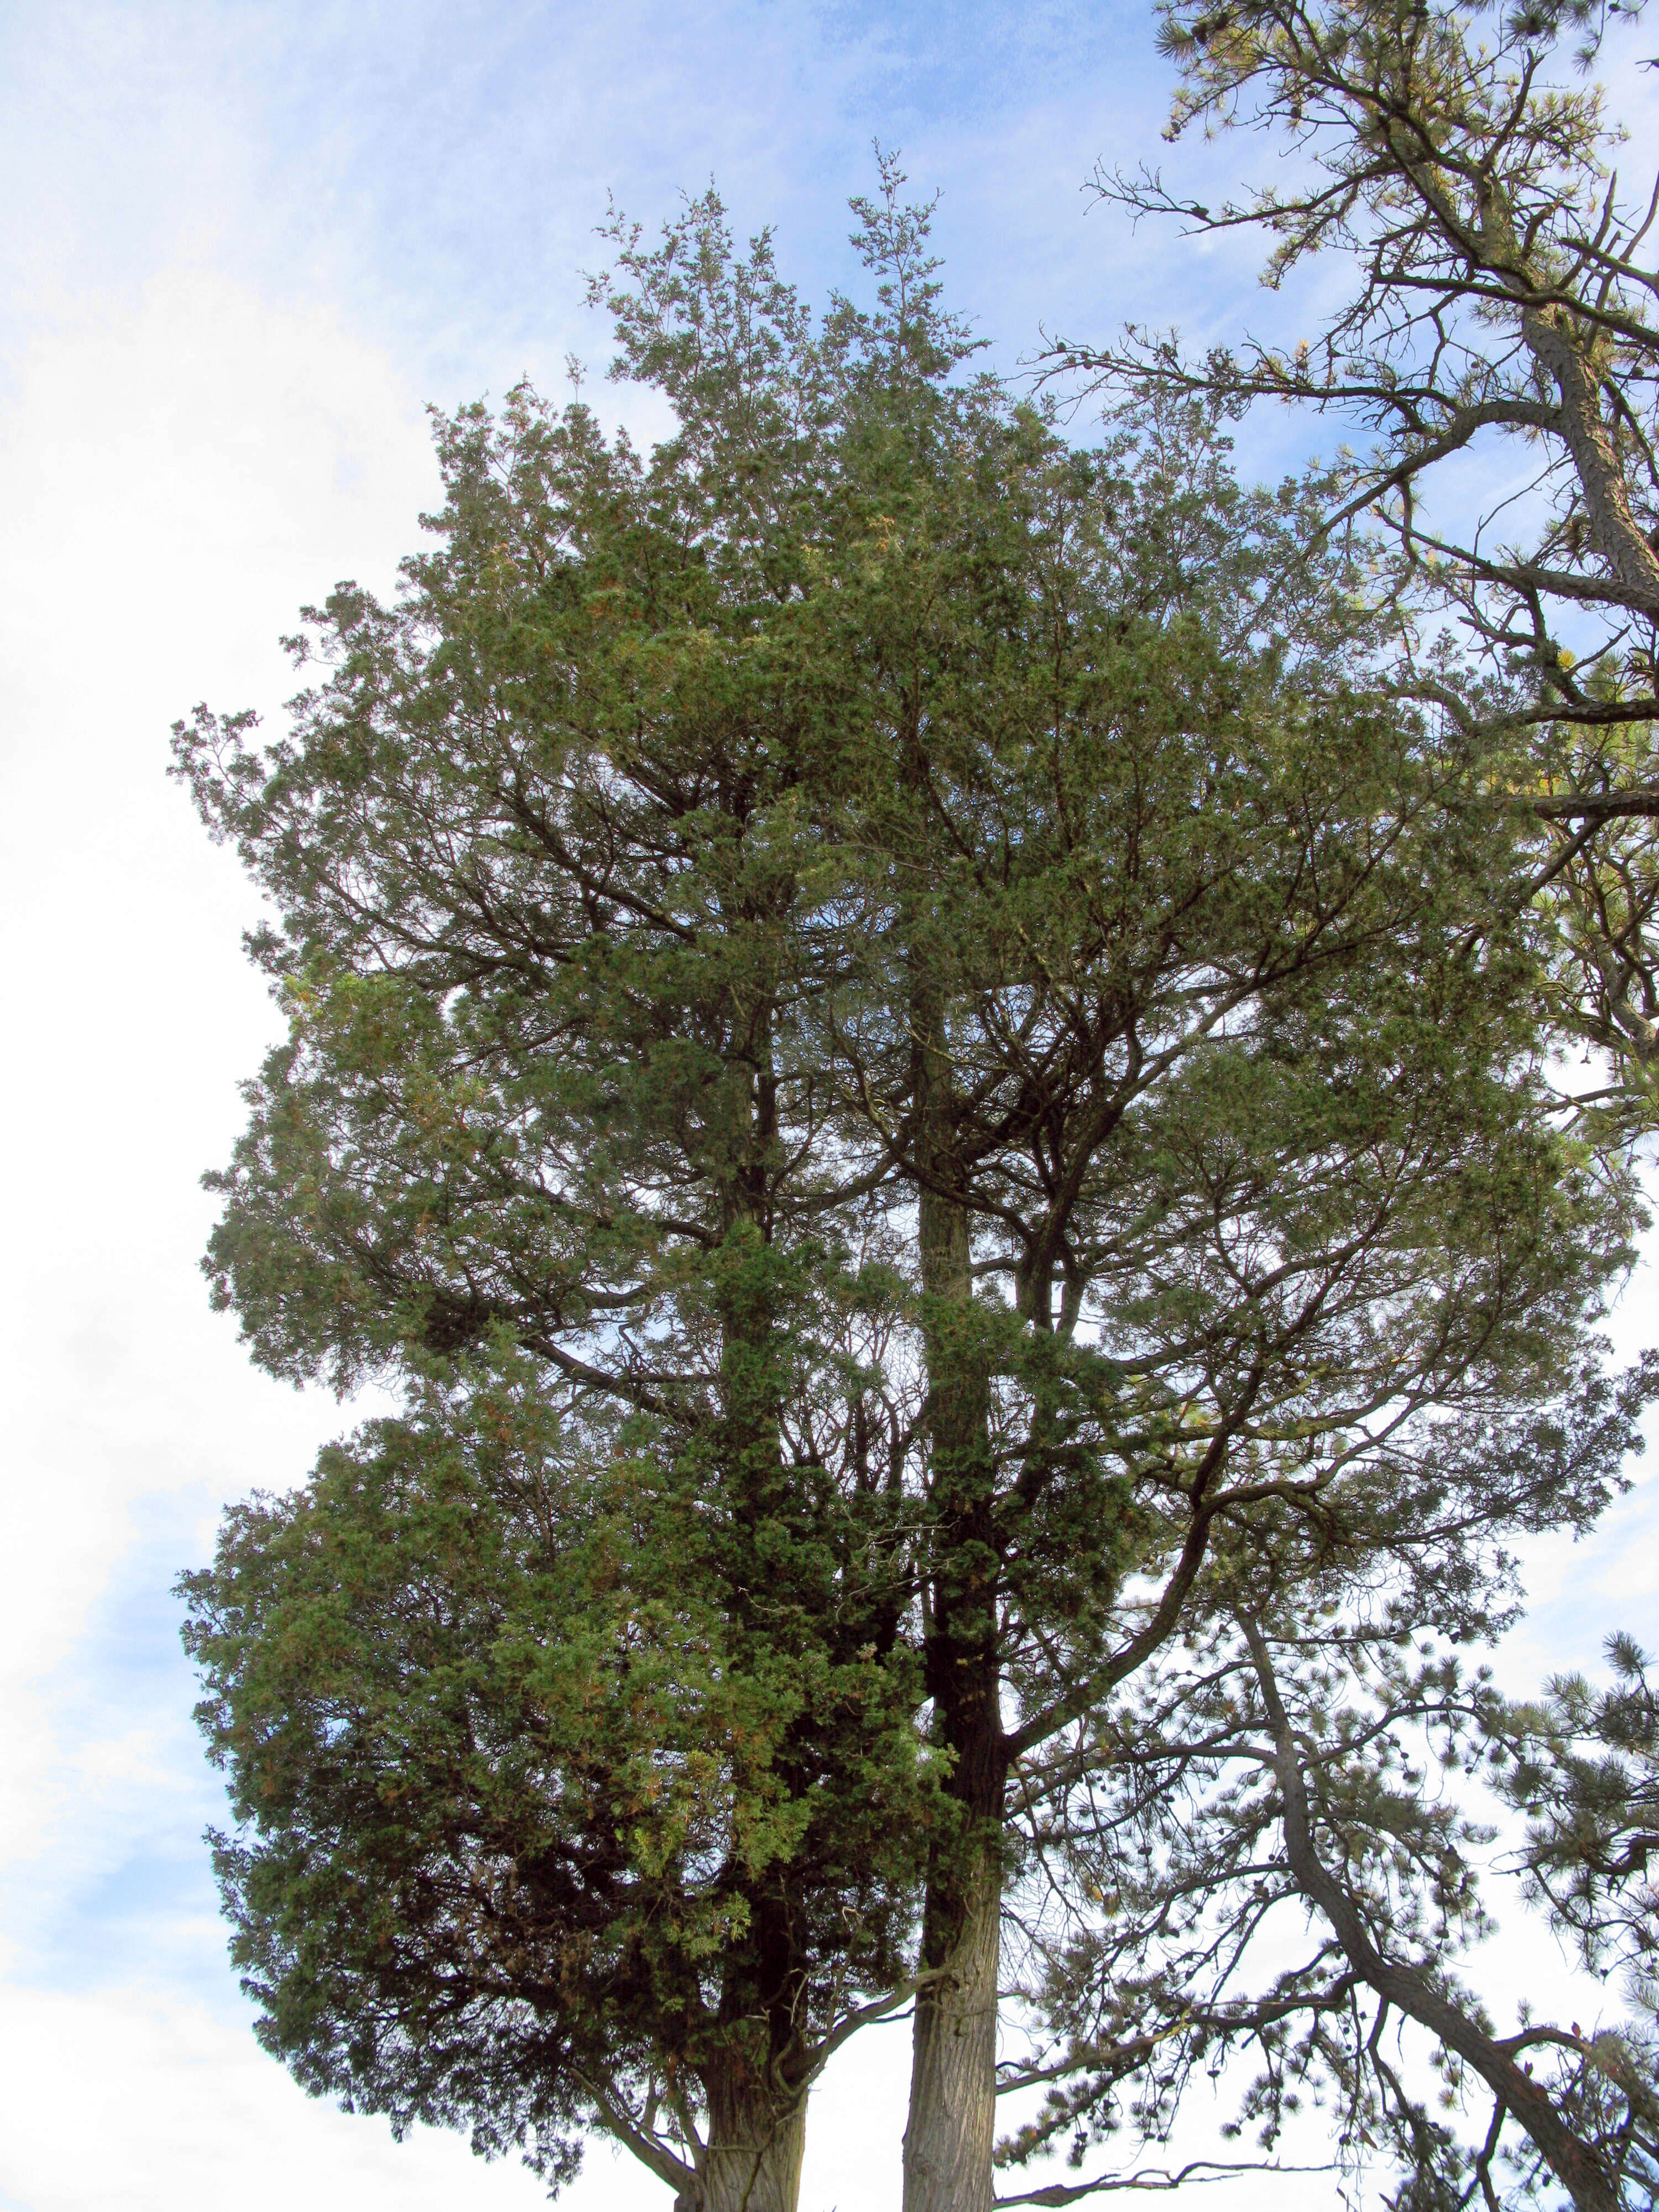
(934, 1088)
(1495, 293)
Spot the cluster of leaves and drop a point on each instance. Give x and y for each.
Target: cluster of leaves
(1584, 1767)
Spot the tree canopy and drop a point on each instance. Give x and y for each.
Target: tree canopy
(1493, 342)
(936, 1092)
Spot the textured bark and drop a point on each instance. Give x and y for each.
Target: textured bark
(952, 2120)
(1613, 529)
(1632, 563)
(753, 2160)
(1574, 2165)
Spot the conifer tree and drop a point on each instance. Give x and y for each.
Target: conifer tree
(1494, 344)
(538, 846)
(907, 1056)
(1276, 1850)
(1199, 1242)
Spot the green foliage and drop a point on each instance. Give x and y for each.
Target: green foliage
(927, 1084)
(518, 1785)
(1583, 1765)
(539, 850)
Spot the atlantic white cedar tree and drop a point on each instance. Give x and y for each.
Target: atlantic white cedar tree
(906, 1054)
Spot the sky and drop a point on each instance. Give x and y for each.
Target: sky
(244, 247)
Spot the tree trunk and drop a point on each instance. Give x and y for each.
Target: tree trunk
(952, 2117)
(757, 2126)
(1550, 338)
(753, 2160)
(1613, 529)
(952, 2120)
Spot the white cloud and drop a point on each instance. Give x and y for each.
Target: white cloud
(134, 2097)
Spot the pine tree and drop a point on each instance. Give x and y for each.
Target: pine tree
(1276, 1850)
(1495, 296)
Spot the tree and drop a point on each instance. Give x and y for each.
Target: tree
(1289, 1770)
(1497, 288)
(1497, 308)
(900, 1005)
(1175, 923)
(536, 848)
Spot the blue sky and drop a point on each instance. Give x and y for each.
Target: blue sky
(437, 170)
(244, 245)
